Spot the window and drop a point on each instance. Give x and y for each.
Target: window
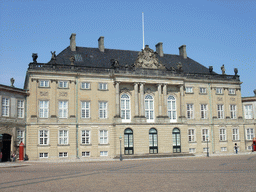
(103, 86)
(153, 143)
(232, 91)
(103, 109)
(20, 110)
(5, 107)
(63, 109)
(249, 134)
(223, 149)
(103, 153)
(204, 110)
(205, 134)
(43, 109)
(43, 83)
(189, 89)
(20, 136)
(63, 137)
(235, 134)
(63, 84)
(219, 91)
(220, 111)
(222, 134)
(125, 107)
(86, 154)
(85, 109)
(249, 147)
(205, 149)
(43, 137)
(63, 154)
(85, 137)
(43, 155)
(190, 111)
(149, 108)
(171, 108)
(85, 85)
(233, 111)
(248, 111)
(202, 90)
(192, 150)
(191, 135)
(103, 137)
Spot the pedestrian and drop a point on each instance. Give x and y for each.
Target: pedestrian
(236, 148)
(13, 157)
(1, 156)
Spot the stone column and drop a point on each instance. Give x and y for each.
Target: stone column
(182, 112)
(159, 99)
(136, 99)
(165, 99)
(142, 110)
(117, 99)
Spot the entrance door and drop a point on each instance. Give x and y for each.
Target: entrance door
(153, 148)
(176, 140)
(6, 147)
(128, 142)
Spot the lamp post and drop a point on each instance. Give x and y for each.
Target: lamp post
(207, 137)
(120, 138)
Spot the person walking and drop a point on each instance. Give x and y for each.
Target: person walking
(13, 157)
(236, 148)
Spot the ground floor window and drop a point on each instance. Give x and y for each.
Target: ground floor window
(176, 140)
(153, 148)
(63, 154)
(205, 149)
(128, 141)
(43, 155)
(86, 154)
(192, 150)
(103, 153)
(223, 148)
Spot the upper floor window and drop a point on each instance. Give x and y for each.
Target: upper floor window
(20, 108)
(43, 109)
(220, 109)
(232, 91)
(233, 111)
(125, 107)
(103, 86)
(171, 108)
(85, 85)
(63, 137)
(44, 83)
(191, 135)
(189, 89)
(63, 109)
(235, 134)
(85, 137)
(103, 108)
(204, 110)
(205, 135)
(202, 90)
(85, 109)
(43, 137)
(190, 111)
(219, 90)
(103, 137)
(248, 111)
(5, 107)
(249, 134)
(20, 136)
(149, 108)
(222, 134)
(63, 84)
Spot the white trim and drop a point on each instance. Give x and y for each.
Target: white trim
(103, 136)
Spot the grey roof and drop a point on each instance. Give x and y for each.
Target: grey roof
(92, 57)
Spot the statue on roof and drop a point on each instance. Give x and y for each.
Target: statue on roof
(53, 55)
(179, 67)
(34, 56)
(223, 69)
(12, 81)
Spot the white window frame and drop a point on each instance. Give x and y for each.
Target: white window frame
(86, 137)
(249, 134)
(171, 108)
(63, 109)
(149, 109)
(43, 109)
(20, 136)
(235, 134)
(5, 107)
(220, 110)
(103, 137)
(85, 85)
(103, 109)
(85, 109)
(63, 154)
(223, 134)
(248, 111)
(204, 111)
(233, 111)
(222, 149)
(189, 89)
(44, 155)
(192, 150)
(203, 90)
(205, 133)
(125, 105)
(63, 84)
(20, 108)
(86, 153)
(205, 149)
(103, 86)
(232, 91)
(63, 137)
(219, 90)
(249, 147)
(191, 135)
(103, 153)
(44, 132)
(44, 83)
(190, 111)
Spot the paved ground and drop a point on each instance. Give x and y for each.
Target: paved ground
(216, 173)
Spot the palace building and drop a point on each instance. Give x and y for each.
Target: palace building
(86, 101)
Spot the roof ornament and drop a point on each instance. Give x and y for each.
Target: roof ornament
(12, 82)
(34, 56)
(235, 71)
(210, 69)
(254, 91)
(53, 55)
(72, 60)
(114, 63)
(223, 70)
(179, 67)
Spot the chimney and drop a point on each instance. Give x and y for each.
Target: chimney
(73, 42)
(183, 51)
(101, 43)
(159, 49)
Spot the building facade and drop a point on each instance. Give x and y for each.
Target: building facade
(12, 119)
(84, 101)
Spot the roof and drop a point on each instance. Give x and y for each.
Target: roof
(13, 89)
(92, 57)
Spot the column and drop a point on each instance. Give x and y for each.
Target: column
(159, 100)
(142, 110)
(182, 114)
(136, 99)
(165, 99)
(117, 99)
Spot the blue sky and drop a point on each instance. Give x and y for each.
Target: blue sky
(216, 32)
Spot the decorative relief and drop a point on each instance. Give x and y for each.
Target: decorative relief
(43, 93)
(125, 90)
(63, 94)
(149, 91)
(220, 99)
(232, 99)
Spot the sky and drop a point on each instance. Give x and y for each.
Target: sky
(216, 32)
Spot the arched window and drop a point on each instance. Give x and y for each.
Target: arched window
(153, 147)
(176, 140)
(171, 108)
(149, 107)
(128, 141)
(125, 107)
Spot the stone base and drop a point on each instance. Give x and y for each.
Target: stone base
(139, 119)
